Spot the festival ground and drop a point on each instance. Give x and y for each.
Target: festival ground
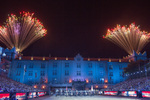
(98, 97)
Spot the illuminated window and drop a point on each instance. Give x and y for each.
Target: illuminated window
(110, 73)
(101, 65)
(42, 73)
(31, 66)
(66, 72)
(19, 65)
(54, 64)
(78, 65)
(54, 72)
(66, 80)
(42, 65)
(30, 73)
(110, 66)
(111, 80)
(90, 65)
(18, 73)
(101, 73)
(78, 73)
(54, 80)
(90, 73)
(66, 64)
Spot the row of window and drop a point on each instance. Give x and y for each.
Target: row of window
(111, 73)
(111, 67)
(42, 73)
(31, 66)
(67, 65)
(55, 65)
(90, 73)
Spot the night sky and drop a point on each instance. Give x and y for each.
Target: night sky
(77, 26)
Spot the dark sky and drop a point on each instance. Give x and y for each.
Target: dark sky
(77, 26)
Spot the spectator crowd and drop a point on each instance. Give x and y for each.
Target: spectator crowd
(142, 84)
(9, 85)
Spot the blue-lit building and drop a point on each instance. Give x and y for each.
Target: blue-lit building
(62, 72)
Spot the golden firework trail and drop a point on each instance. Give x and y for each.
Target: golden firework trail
(129, 38)
(20, 32)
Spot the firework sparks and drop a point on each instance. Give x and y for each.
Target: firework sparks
(129, 38)
(20, 32)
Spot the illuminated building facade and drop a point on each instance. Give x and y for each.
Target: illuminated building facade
(68, 72)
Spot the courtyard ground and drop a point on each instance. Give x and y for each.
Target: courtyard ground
(97, 97)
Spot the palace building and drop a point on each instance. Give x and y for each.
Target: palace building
(60, 72)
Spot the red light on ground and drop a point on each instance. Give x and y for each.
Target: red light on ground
(70, 81)
(105, 86)
(96, 86)
(106, 81)
(43, 87)
(87, 81)
(35, 86)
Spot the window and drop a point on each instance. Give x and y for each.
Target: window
(101, 80)
(54, 64)
(120, 73)
(78, 65)
(42, 73)
(66, 64)
(30, 73)
(66, 72)
(111, 74)
(66, 80)
(111, 80)
(120, 67)
(90, 65)
(18, 73)
(54, 72)
(90, 73)
(19, 65)
(35, 75)
(78, 73)
(54, 80)
(42, 65)
(110, 66)
(101, 72)
(101, 65)
(31, 66)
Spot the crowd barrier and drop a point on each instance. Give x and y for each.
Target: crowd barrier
(144, 94)
(129, 93)
(21, 96)
(110, 92)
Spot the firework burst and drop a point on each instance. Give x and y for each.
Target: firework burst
(20, 32)
(129, 38)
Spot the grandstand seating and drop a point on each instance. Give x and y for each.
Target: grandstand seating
(142, 84)
(9, 85)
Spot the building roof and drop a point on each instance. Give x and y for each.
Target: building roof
(70, 58)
